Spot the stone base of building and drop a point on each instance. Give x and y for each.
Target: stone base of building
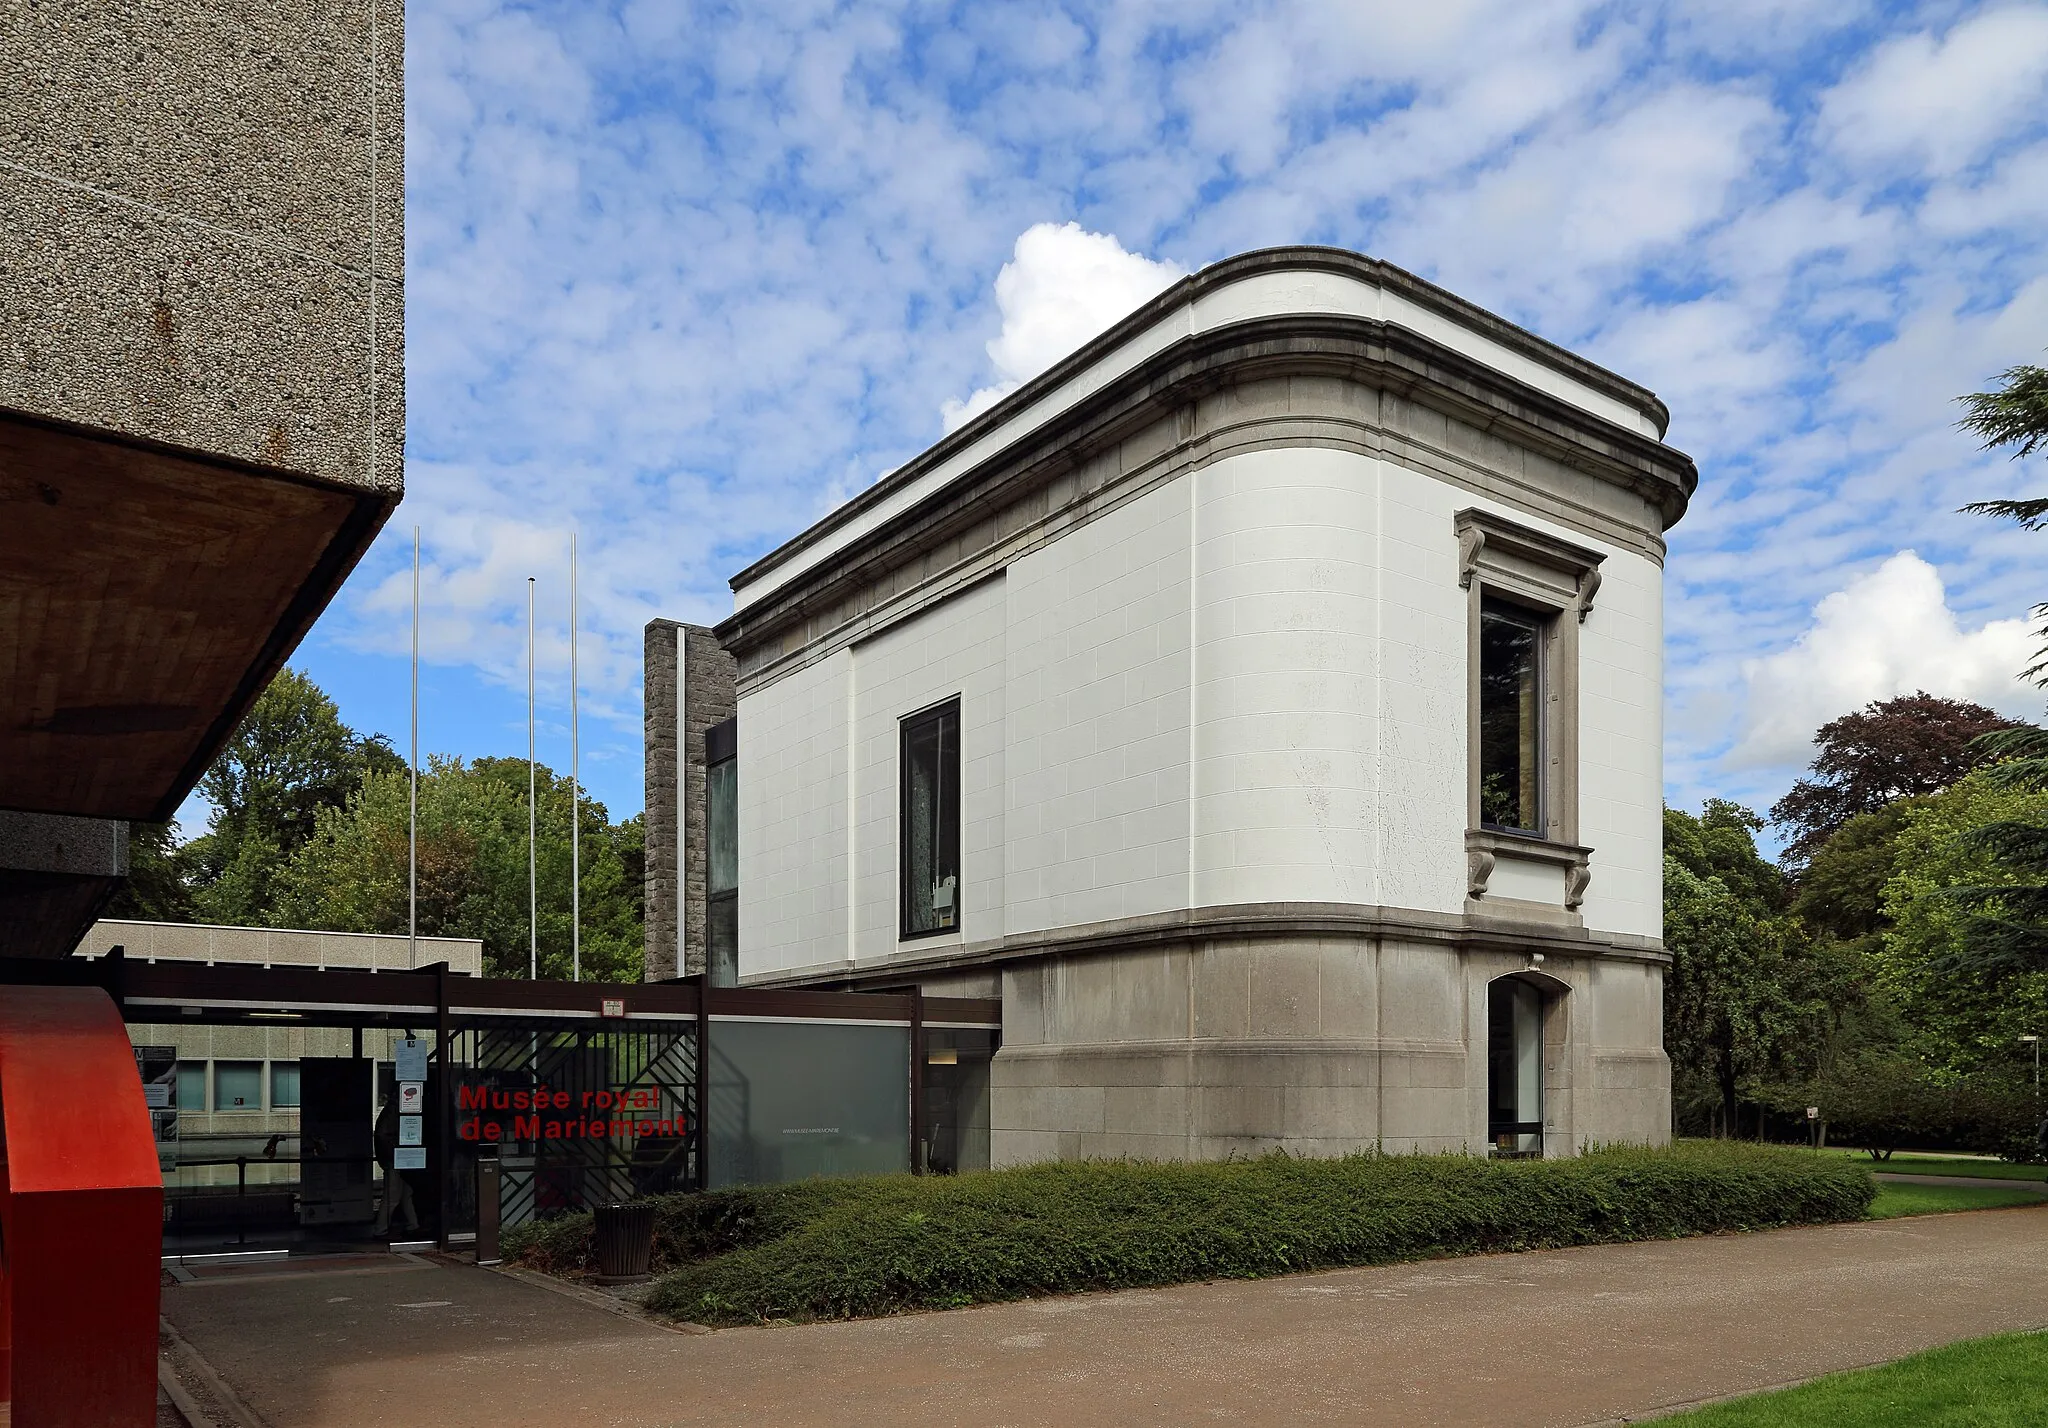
(1318, 1045)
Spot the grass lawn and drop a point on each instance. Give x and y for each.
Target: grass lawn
(1908, 1162)
(1981, 1383)
(1895, 1199)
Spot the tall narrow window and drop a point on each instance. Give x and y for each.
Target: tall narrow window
(722, 856)
(930, 832)
(1510, 717)
(1514, 1068)
(192, 1086)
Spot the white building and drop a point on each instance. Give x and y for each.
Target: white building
(1264, 703)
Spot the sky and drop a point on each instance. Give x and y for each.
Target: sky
(681, 277)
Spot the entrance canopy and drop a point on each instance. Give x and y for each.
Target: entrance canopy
(580, 1093)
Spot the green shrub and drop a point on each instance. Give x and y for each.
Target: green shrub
(1886, 1103)
(850, 1248)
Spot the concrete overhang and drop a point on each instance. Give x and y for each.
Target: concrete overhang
(147, 595)
(56, 874)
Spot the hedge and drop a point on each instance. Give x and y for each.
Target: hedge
(838, 1249)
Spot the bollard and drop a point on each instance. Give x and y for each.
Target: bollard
(487, 1208)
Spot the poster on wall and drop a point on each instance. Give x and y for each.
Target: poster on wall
(159, 1068)
(411, 1054)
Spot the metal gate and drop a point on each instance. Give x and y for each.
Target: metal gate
(578, 1113)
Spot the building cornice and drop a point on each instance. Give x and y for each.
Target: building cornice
(1372, 273)
(1164, 392)
(1254, 921)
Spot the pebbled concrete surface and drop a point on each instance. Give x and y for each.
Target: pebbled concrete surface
(1557, 1338)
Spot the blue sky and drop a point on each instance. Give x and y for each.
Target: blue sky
(682, 276)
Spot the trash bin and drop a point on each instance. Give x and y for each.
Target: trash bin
(625, 1243)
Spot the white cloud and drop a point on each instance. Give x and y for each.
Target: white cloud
(683, 276)
(1062, 286)
(1886, 633)
(1943, 101)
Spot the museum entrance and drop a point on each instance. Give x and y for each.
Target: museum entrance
(1514, 1068)
(335, 1109)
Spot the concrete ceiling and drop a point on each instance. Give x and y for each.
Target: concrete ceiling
(147, 595)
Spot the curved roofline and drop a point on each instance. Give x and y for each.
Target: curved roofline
(1182, 294)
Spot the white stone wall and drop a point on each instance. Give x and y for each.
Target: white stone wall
(1621, 747)
(1097, 737)
(1248, 685)
(955, 648)
(794, 806)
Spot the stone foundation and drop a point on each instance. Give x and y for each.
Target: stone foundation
(1312, 1045)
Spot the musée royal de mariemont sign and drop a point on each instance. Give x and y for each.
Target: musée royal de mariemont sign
(496, 1115)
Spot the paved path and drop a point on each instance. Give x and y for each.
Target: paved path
(1557, 1338)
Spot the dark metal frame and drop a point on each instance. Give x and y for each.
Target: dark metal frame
(1543, 625)
(906, 726)
(721, 746)
(198, 993)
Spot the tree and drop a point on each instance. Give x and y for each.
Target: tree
(1721, 843)
(1964, 1004)
(1881, 1103)
(157, 889)
(290, 758)
(2015, 414)
(2008, 914)
(1746, 998)
(1896, 748)
(351, 875)
(1841, 890)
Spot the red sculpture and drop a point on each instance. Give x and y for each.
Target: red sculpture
(81, 1215)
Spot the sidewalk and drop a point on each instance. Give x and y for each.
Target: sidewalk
(1556, 1338)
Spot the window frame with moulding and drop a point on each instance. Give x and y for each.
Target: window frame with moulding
(1510, 569)
(943, 854)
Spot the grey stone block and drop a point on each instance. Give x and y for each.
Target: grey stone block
(675, 754)
(205, 211)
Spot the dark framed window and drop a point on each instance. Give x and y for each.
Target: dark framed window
(192, 1085)
(1510, 718)
(722, 853)
(1514, 1068)
(284, 1085)
(238, 1085)
(929, 829)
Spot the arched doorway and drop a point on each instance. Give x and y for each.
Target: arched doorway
(1515, 1007)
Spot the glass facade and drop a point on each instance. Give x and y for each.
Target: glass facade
(722, 826)
(1510, 719)
(790, 1100)
(284, 1085)
(191, 1085)
(722, 872)
(929, 855)
(955, 1124)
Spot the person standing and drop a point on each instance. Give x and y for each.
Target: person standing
(397, 1190)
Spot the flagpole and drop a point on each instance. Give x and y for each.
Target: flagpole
(532, 878)
(412, 873)
(575, 790)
